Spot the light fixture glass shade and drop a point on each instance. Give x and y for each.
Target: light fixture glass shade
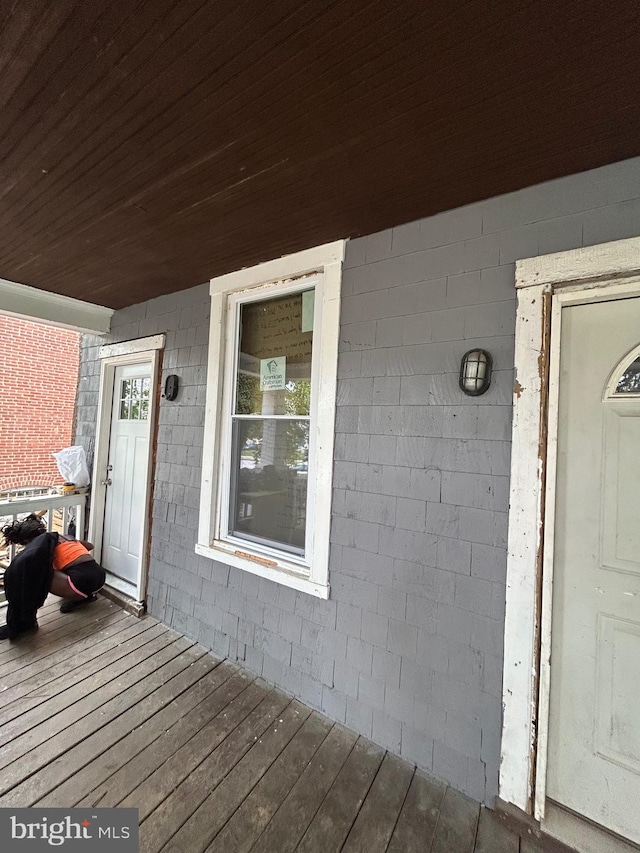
(475, 372)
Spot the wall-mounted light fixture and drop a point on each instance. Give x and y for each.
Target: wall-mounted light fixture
(475, 372)
(171, 386)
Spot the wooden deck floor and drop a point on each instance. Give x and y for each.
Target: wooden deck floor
(103, 709)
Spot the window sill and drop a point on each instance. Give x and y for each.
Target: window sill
(285, 576)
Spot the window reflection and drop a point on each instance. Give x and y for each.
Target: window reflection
(629, 382)
(269, 487)
(134, 399)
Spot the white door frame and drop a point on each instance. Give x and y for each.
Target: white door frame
(140, 351)
(544, 285)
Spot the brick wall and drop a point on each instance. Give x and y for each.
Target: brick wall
(38, 384)
(408, 649)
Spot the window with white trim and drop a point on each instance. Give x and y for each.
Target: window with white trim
(269, 428)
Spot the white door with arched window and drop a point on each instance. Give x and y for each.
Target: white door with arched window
(594, 720)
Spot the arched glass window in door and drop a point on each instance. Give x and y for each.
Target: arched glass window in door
(625, 378)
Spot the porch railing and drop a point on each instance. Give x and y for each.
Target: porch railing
(61, 513)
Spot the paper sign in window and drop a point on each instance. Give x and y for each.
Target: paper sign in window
(308, 298)
(273, 372)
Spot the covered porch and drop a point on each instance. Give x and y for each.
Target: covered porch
(101, 708)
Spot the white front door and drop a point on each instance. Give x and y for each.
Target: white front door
(127, 473)
(594, 722)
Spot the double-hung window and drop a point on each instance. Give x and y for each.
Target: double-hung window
(268, 450)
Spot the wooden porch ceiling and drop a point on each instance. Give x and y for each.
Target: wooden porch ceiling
(146, 147)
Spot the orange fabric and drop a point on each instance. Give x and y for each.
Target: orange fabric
(67, 552)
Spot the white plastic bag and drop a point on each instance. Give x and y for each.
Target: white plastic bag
(72, 465)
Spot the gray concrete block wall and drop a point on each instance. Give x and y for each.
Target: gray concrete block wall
(408, 649)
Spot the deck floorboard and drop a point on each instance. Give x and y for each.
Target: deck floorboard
(185, 667)
(56, 737)
(418, 819)
(40, 704)
(335, 817)
(102, 709)
(71, 722)
(100, 771)
(245, 826)
(150, 770)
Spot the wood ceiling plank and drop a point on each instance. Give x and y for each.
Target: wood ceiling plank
(90, 106)
(25, 36)
(31, 121)
(151, 130)
(204, 138)
(121, 151)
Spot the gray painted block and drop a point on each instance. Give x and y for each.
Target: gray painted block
(349, 364)
(492, 675)
(386, 667)
(476, 786)
(382, 479)
(462, 736)
(516, 243)
(345, 678)
(378, 246)
(417, 748)
(387, 731)
(422, 612)
(402, 639)
(359, 717)
(450, 765)
(359, 655)
(371, 691)
(310, 691)
(429, 719)
(372, 567)
(349, 619)
(358, 336)
(386, 391)
(355, 591)
(454, 555)
(355, 534)
(356, 253)
(392, 603)
(417, 680)
(334, 704)
(613, 222)
(473, 594)
(390, 332)
(375, 629)
(410, 514)
(467, 665)
(433, 650)
(399, 704)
